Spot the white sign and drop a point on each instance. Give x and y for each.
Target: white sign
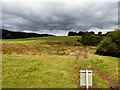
(86, 78)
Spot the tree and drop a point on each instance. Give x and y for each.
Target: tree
(71, 33)
(92, 32)
(80, 33)
(100, 33)
(90, 39)
(110, 45)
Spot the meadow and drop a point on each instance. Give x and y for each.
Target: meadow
(54, 62)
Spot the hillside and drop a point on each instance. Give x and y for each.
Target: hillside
(54, 62)
(6, 34)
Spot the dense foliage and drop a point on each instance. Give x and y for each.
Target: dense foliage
(90, 39)
(71, 33)
(110, 45)
(80, 33)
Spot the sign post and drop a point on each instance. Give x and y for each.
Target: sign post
(86, 78)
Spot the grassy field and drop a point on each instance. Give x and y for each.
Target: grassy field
(54, 62)
(41, 40)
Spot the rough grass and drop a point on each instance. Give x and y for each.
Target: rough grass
(41, 40)
(54, 64)
(39, 71)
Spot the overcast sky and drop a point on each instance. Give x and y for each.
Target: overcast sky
(60, 16)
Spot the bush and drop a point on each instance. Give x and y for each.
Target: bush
(110, 45)
(90, 39)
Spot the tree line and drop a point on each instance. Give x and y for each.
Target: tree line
(80, 33)
(6, 34)
(108, 45)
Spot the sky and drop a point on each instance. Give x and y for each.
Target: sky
(58, 17)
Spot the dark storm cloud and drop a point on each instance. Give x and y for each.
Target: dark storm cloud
(39, 16)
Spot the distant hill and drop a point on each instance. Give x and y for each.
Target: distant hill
(6, 34)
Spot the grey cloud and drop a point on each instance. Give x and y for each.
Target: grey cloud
(59, 16)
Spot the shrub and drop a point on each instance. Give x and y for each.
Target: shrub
(110, 45)
(90, 39)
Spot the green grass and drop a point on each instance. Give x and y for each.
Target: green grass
(53, 64)
(41, 40)
(38, 71)
(42, 71)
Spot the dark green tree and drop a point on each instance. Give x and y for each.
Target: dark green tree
(110, 45)
(90, 39)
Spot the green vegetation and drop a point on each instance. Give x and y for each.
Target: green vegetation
(6, 34)
(110, 45)
(54, 62)
(90, 39)
(40, 40)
